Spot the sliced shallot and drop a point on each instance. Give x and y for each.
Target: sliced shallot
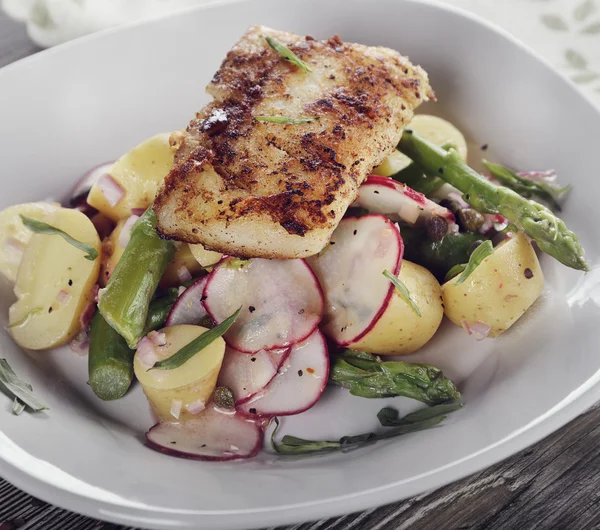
(147, 352)
(125, 234)
(113, 192)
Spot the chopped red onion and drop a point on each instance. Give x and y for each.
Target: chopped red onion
(113, 192)
(125, 234)
(465, 326)
(183, 274)
(480, 330)
(147, 352)
(63, 297)
(87, 315)
(96, 293)
(158, 338)
(81, 343)
(195, 407)
(138, 211)
(176, 408)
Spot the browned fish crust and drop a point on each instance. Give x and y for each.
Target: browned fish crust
(251, 188)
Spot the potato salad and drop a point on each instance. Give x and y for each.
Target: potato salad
(306, 230)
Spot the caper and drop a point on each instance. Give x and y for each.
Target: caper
(223, 397)
(436, 227)
(470, 219)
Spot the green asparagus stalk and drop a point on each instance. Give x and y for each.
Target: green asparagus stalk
(125, 301)
(526, 187)
(413, 422)
(366, 375)
(537, 221)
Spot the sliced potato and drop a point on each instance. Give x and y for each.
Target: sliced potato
(172, 392)
(55, 283)
(400, 330)
(499, 291)
(14, 236)
(111, 253)
(434, 129)
(139, 172)
(183, 259)
(206, 258)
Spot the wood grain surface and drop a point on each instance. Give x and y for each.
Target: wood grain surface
(552, 485)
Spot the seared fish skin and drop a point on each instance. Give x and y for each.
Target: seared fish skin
(254, 189)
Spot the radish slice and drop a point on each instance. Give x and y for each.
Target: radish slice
(351, 273)
(80, 192)
(213, 436)
(247, 373)
(298, 384)
(281, 301)
(385, 196)
(189, 307)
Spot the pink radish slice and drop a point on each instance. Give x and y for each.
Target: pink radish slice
(298, 384)
(247, 373)
(213, 436)
(351, 273)
(189, 307)
(84, 184)
(385, 196)
(281, 301)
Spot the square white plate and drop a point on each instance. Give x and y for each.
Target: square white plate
(87, 102)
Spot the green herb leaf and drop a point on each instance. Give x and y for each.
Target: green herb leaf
(479, 254)
(403, 290)
(198, 344)
(287, 54)
(455, 271)
(17, 388)
(416, 421)
(18, 407)
(40, 227)
(286, 120)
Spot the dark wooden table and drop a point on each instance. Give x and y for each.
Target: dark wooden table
(553, 485)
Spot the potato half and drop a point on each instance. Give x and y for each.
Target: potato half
(182, 261)
(206, 258)
(111, 253)
(139, 172)
(400, 330)
(499, 291)
(187, 387)
(14, 236)
(55, 283)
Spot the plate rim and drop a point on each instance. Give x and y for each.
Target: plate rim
(576, 403)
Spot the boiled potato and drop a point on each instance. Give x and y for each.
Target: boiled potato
(183, 258)
(55, 283)
(499, 290)
(432, 128)
(111, 253)
(206, 258)
(14, 236)
(184, 387)
(139, 172)
(400, 330)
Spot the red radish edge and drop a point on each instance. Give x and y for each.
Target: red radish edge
(253, 398)
(275, 346)
(175, 314)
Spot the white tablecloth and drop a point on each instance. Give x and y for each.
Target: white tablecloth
(567, 32)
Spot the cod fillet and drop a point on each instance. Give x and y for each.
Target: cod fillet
(250, 188)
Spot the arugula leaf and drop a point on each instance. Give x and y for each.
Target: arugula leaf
(17, 388)
(286, 120)
(477, 256)
(198, 344)
(402, 290)
(39, 227)
(287, 54)
(416, 421)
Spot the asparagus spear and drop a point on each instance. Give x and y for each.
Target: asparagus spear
(125, 300)
(526, 187)
(537, 221)
(366, 375)
(413, 422)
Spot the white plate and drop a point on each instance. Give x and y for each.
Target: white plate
(72, 107)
